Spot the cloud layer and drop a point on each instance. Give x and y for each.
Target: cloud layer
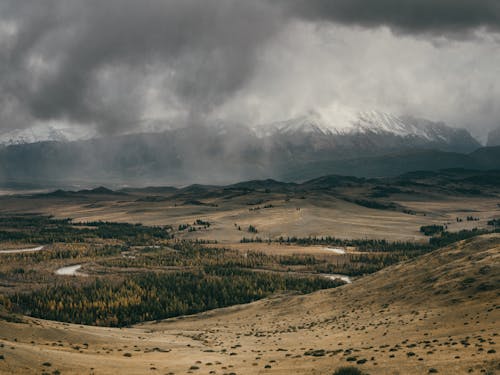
(96, 61)
(443, 17)
(120, 64)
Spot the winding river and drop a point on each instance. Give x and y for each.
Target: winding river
(16, 251)
(344, 278)
(70, 271)
(336, 250)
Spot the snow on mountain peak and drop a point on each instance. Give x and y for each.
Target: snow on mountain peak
(345, 121)
(381, 122)
(327, 122)
(44, 132)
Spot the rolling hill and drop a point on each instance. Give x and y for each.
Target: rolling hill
(435, 314)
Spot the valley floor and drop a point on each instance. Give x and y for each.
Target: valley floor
(439, 313)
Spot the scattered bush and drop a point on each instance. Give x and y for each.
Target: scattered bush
(431, 230)
(316, 353)
(252, 229)
(494, 222)
(349, 370)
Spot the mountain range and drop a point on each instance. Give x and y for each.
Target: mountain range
(360, 144)
(41, 133)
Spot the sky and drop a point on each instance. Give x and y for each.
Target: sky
(121, 66)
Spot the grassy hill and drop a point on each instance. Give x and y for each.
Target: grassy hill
(438, 313)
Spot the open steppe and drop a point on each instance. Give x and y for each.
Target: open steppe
(438, 313)
(414, 307)
(343, 207)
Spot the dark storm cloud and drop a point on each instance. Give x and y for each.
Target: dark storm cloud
(99, 62)
(441, 17)
(55, 54)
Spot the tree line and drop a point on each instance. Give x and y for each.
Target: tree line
(150, 296)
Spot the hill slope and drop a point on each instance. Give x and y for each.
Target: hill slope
(440, 311)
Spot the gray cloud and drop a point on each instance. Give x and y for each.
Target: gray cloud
(55, 53)
(114, 63)
(441, 17)
(329, 67)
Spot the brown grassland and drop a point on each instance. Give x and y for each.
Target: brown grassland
(438, 312)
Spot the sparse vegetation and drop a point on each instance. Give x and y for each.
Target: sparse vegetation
(216, 281)
(373, 204)
(494, 222)
(252, 229)
(446, 238)
(390, 321)
(349, 370)
(431, 230)
(45, 229)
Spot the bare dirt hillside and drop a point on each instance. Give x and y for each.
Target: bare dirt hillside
(439, 313)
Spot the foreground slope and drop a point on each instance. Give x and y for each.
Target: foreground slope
(440, 312)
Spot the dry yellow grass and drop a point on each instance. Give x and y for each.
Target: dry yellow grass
(440, 311)
(323, 215)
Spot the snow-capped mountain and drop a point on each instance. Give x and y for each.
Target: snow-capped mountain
(338, 129)
(43, 132)
(367, 144)
(350, 133)
(346, 142)
(369, 123)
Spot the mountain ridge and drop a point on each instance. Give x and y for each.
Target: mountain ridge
(343, 123)
(226, 154)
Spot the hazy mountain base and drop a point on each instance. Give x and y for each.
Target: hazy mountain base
(494, 137)
(201, 155)
(396, 164)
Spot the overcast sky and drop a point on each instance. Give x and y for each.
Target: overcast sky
(116, 65)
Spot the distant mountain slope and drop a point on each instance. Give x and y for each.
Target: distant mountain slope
(397, 163)
(332, 129)
(494, 137)
(372, 122)
(377, 145)
(369, 131)
(487, 157)
(41, 133)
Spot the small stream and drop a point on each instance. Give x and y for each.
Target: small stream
(344, 278)
(27, 250)
(336, 250)
(70, 271)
